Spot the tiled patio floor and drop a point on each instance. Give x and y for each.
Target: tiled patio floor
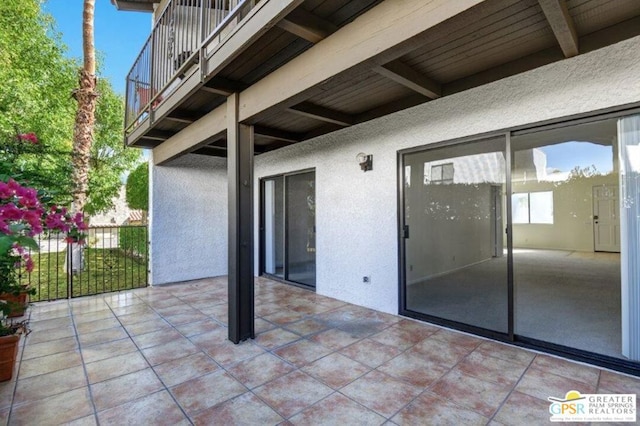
(161, 356)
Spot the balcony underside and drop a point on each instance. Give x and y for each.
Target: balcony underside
(487, 42)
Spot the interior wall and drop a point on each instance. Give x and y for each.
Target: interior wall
(572, 227)
(188, 219)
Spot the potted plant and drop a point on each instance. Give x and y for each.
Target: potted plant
(25, 212)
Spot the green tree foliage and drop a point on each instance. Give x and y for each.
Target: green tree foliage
(137, 194)
(36, 82)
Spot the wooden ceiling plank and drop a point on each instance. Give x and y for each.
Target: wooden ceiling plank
(308, 26)
(307, 109)
(562, 25)
(408, 77)
(277, 134)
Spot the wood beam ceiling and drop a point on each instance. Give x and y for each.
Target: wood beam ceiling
(307, 109)
(408, 77)
(277, 134)
(562, 25)
(308, 26)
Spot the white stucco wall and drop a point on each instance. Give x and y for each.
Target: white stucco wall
(356, 216)
(188, 220)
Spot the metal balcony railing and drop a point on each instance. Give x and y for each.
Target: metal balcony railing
(181, 38)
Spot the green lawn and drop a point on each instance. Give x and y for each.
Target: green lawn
(105, 270)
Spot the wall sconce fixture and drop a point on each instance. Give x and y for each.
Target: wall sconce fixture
(365, 161)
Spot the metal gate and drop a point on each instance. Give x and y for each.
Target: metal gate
(113, 258)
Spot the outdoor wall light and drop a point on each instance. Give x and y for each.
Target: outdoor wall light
(365, 161)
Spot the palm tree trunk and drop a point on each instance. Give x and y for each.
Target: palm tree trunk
(87, 97)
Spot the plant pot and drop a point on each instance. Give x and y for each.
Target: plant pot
(18, 303)
(8, 353)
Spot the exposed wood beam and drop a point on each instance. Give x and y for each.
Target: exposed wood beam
(322, 130)
(277, 134)
(562, 25)
(158, 135)
(180, 117)
(214, 151)
(391, 107)
(193, 136)
(408, 77)
(317, 112)
(379, 36)
(222, 86)
(308, 26)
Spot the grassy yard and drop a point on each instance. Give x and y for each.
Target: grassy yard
(105, 270)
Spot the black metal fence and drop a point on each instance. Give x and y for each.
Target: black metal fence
(113, 258)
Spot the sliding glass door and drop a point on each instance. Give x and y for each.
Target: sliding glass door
(455, 264)
(288, 227)
(532, 236)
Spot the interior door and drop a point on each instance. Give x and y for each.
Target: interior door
(606, 220)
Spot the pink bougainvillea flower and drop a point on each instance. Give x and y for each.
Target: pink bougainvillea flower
(11, 212)
(5, 191)
(28, 263)
(28, 137)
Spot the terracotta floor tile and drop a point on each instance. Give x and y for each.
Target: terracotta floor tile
(155, 338)
(147, 327)
(185, 318)
(368, 389)
(92, 316)
(437, 411)
(36, 350)
(50, 363)
(336, 370)
(337, 409)
(523, 409)
(275, 338)
(102, 336)
(175, 349)
(206, 391)
(6, 391)
(228, 353)
(506, 352)
(492, 369)
(306, 327)
(302, 352)
(398, 337)
(89, 420)
(108, 350)
(292, 393)
(140, 308)
(283, 316)
(418, 371)
(52, 324)
(135, 318)
(116, 366)
(457, 338)
(334, 339)
(261, 325)
(122, 389)
(45, 385)
(184, 369)
(263, 309)
(478, 395)
(155, 409)
(568, 369)
(211, 338)
(245, 409)
(101, 324)
(57, 409)
(439, 352)
(370, 352)
(542, 384)
(259, 370)
(40, 336)
(198, 327)
(618, 383)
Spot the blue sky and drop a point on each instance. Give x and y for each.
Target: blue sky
(119, 36)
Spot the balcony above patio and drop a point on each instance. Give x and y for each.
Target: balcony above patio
(304, 68)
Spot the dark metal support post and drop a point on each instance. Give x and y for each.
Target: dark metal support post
(240, 185)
